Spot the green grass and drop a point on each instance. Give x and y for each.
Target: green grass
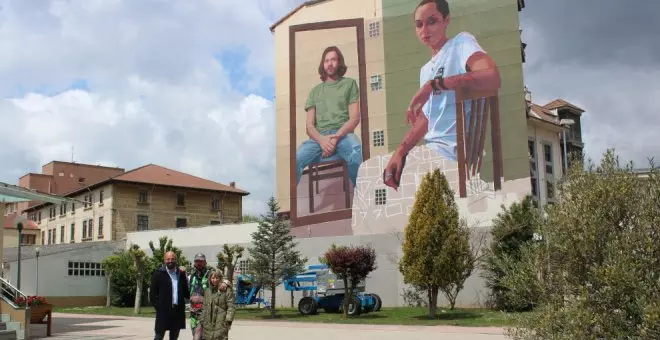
(386, 316)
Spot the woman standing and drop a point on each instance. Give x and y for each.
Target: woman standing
(218, 312)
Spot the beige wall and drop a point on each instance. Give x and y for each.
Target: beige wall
(309, 46)
(544, 133)
(10, 237)
(163, 212)
(77, 216)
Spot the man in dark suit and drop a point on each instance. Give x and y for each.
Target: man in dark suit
(168, 294)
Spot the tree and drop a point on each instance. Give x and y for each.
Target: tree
(436, 247)
(228, 258)
(111, 265)
(351, 264)
(165, 244)
(274, 257)
(139, 261)
(513, 229)
(599, 258)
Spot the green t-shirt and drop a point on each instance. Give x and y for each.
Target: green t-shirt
(331, 100)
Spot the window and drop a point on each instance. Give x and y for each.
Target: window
(43, 237)
(374, 29)
(549, 170)
(27, 239)
(62, 234)
(72, 231)
(143, 197)
(180, 200)
(379, 138)
(101, 197)
(381, 196)
(50, 237)
(533, 168)
(39, 217)
(376, 82)
(181, 222)
(100, 231)
(215, 222)
(242, 266)
(142, 222)
(215, 204)
(76, 268)
(84, 229)
(63, 209)
(90, 229)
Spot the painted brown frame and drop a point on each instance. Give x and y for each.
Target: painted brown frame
(364, 114)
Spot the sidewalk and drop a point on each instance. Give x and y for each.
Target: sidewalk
(101, 327)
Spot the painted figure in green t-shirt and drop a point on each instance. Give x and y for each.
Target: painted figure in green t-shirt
(332, 115)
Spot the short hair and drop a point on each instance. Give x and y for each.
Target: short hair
(341, 70)
(440, 5)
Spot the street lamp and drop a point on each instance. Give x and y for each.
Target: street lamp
(566, 123)
(37, 250)
(20, 219)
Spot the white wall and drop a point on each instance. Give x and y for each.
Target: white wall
(194, 237)
(53, 274)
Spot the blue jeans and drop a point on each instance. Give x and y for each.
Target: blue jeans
(348, 148)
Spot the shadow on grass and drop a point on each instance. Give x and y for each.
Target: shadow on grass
(451, 316)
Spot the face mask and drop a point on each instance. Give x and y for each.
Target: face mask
(171, 265)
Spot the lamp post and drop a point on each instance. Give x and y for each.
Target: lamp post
(19, 226)
(565, 123)
(37, 250)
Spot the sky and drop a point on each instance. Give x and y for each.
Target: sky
(189, 84)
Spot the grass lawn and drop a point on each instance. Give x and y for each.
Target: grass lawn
(386, 316)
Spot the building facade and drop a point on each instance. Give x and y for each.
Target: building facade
(149, 197)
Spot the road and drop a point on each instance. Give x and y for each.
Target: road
(100, 327)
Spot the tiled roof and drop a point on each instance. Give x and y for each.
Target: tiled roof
(543, 113)
(9, 223)
(156, 174)
(559, 103)
(28, 252)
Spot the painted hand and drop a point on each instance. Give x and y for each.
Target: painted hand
(328, 145)
(394, 170)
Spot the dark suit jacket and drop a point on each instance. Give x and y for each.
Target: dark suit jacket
(160, 295)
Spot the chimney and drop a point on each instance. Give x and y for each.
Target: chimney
(232, 184)
(528, 95)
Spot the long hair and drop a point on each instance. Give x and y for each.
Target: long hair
(341, 70)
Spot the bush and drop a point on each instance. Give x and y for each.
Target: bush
(599, 263)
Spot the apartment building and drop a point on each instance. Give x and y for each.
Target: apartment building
(147, 198)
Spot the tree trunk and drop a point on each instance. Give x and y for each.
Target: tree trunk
(292, 299)
(433, 301)
(108, 291)
(138, 297)
(272, 300)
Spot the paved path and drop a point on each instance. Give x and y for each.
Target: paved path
(100, 327)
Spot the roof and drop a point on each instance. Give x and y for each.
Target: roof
(84, 164)
(158, 175)
(293, 11)
(9, 223)
(560, 103)
(542, 113)
(28, 252)
(11, 193)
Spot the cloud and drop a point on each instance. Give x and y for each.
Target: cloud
(127, 83)
(601, 56)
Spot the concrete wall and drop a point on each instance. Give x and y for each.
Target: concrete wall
(386, 281)
(54, 281)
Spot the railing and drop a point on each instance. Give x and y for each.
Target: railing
(10, 293)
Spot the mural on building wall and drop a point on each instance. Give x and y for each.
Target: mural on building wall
(453, 82)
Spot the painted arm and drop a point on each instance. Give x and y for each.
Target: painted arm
(310, 125)
(352, 122)
(413, 136)
(482, 75)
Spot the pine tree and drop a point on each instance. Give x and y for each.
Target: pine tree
(436, 248)
(274, 256)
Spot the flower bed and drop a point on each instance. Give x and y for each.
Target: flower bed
(31, 301)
